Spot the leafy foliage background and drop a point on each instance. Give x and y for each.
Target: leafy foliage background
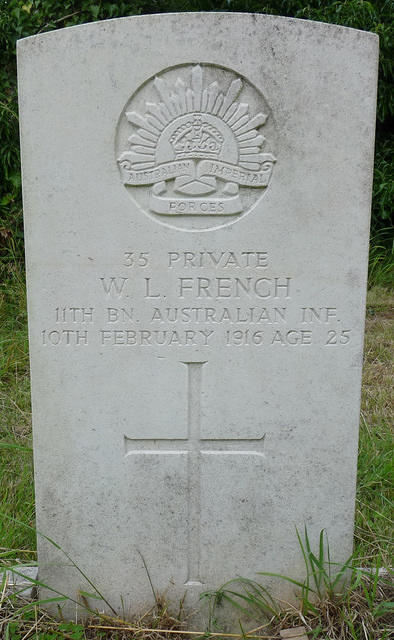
(21, 18)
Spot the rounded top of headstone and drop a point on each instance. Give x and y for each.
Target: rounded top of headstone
(201, 17)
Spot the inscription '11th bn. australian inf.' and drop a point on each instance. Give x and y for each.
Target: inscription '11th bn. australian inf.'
(190, 147)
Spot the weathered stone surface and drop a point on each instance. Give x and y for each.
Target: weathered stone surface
(196, 191)
(20, 581)
(295, 632)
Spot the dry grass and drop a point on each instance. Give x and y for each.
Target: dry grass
(157, 623)
(348, 616)
(24, 619)
(362, 613)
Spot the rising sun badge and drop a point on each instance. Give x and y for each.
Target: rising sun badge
(191, 146)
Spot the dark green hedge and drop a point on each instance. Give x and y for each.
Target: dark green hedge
(20, 18)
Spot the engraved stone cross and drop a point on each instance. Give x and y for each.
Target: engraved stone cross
(194, 446)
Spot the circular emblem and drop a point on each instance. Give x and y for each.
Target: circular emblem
(194, 147)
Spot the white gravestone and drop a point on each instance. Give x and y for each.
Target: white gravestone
(197, 194)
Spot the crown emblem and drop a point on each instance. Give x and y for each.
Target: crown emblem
(191, 116)
(196, 139)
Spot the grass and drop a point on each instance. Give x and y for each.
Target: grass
(374, 508)
(363, 610)
(16, 467)
(381, 258)
(20, 619)
(334, 602)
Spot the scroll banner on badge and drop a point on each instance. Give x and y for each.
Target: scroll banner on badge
(222, 170)
(195, 206)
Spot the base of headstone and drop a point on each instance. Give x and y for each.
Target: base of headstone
(22, 581)
(295, 632)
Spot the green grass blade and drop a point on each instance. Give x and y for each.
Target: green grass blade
(259, 602)
(28, 526)
(18, 447)
(74, 564)
(38, 583)
(375, 582)
(345, 567)
(38, 603)
(261, 593)
(243, 635)
(279, 575)
(383, 609)
(307, 580)
(313, 563)
(86, 594)
(321, 548)
(328, 559)
(235, 603)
